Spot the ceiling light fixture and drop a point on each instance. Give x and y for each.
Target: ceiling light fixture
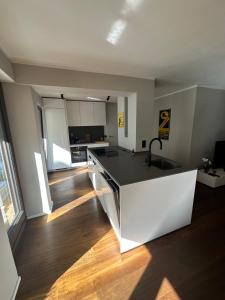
(93, 98)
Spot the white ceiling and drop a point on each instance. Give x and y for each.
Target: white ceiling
(173, 39)
(77, 93)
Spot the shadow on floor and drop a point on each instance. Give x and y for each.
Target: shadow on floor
(72, 254)
(189, 263)
(53, 245)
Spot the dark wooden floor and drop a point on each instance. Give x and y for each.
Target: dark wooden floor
(73, 253)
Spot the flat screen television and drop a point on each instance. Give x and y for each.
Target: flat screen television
(219, 155)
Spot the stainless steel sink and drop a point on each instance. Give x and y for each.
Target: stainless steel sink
(164, 164)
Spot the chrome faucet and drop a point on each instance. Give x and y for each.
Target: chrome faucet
(149, 156)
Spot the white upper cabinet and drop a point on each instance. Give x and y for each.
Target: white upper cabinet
(73, 113)
(99, 113)
(83, 113)
(86, 113)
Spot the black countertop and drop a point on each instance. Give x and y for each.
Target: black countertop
(126, 167)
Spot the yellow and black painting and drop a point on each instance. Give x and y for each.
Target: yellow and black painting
(121, 119)
(164, 124)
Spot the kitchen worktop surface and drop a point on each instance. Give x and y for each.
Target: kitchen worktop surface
(91, 145)
(126, 167)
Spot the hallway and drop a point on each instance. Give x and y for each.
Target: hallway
(73, 253)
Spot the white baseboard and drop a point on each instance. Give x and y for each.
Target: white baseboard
(36, 216)
(79, 164)
(16, 288)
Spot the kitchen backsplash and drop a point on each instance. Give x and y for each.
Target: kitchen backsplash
(86, 134)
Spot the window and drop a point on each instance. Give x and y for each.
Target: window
(8, 195)
(10, 198)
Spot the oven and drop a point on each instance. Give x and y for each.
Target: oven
(78, 154)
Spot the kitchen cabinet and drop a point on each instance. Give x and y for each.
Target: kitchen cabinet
(109, 199)
(100, 189)
(73, 113)
(94, 170)
(105, 191)
(83, 113)
(99, 113)
(91, 170)
(86, 113)
(134, 214)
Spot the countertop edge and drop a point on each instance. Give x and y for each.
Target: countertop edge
(183, 170)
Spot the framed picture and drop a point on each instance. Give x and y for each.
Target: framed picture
(121, 119)
(164, 124)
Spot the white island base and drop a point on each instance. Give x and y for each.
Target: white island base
(145, 210)
(152, 208)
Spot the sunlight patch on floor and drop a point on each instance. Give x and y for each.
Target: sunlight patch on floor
(77, 280)
(80, 172)
(86, 276)
(167, 291)
(69, 206)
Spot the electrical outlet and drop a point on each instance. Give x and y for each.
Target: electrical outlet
(144, 144)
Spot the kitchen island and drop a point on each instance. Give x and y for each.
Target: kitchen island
(142, 202)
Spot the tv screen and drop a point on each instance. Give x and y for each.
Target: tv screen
(219, 155)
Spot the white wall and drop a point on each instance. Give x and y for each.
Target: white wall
(144, 115)
(9, 278)
(165, 87)
(43, 172)
(144, 89)
(209, 123)
(111, 128)
(6, 69)
(130, 141)
(197, 122)
(21, 104)
(182, 107)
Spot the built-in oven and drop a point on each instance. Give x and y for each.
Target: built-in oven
(78, 154)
